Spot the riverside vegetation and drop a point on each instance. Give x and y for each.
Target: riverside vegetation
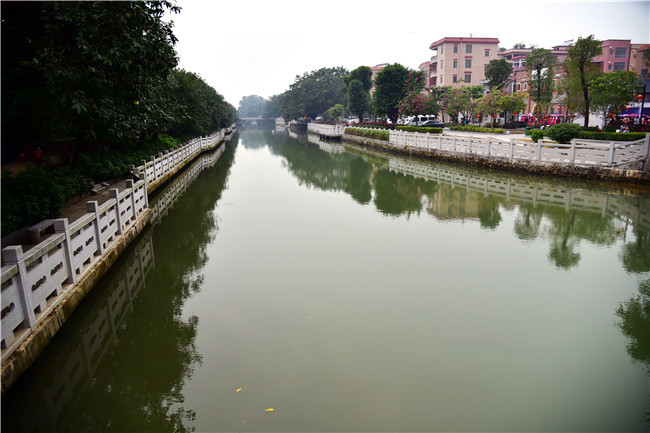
(88, 89)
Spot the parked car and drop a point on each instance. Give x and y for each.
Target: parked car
(433, 123)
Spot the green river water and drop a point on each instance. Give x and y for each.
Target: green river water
(295, 285)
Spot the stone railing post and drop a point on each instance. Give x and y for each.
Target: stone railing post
(13, 255)
(153, 164)
(93, 207)
(113, 194)
(61, 226)
(610, 154)
(129, 185)
(572, 151)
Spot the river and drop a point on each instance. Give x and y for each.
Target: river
(288, 284)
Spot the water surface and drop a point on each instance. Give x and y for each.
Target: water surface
(355, 291)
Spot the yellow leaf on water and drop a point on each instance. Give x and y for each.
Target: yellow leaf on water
(238, 389)
(270, 409)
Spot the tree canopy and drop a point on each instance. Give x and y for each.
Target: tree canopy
(581, 70)
(314, 92)
(363, 74)
(614, 90)
(539, 65)
(497, 72)
(92, 71)
(390, 90)
(251, 106)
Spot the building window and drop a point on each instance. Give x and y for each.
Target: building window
(518, 87)
(441, 80)
(621, 53)
(455, 48)
(454, 79)
(525, 86)
(468, 48)
(468, 63)
(485, 68)
(442, 50)
(487, 53)
(611, 52)
(455, 63)
(619, 66)
(468, 78)
(442, 64)
(609, 67)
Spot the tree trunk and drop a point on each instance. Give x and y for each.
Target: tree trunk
(585, 94)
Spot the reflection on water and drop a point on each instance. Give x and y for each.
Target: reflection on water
(353, 290)
(73, 385)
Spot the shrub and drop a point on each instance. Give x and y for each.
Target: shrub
(377, 134)
(37, 193)
(536, 134)
(563, 132)
(477, 129)
(612, 136)
(423, 129)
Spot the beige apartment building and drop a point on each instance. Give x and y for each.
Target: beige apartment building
(460, 61)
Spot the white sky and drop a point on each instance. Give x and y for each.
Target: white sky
(257, 47)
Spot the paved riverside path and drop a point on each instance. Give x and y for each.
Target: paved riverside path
(76, 207)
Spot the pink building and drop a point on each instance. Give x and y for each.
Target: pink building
(615, 56)
(459, 61)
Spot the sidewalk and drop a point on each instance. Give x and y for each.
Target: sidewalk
(76, 207)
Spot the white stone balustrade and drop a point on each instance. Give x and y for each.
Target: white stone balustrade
(332, 131)
(579, 152)
(36, 281)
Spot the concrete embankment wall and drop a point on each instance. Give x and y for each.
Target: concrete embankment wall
(638, 178)
(30, 341)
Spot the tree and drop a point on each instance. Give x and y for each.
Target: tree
(581, 69)
(334, 113)
(539, 65)
(413, 103)
(389, 90)
(519, 45)
(358, 98)
(251, 106)
(196, 108)
(614, 90)
(497, 72)
(363, 74)
(314, 92)
(92, 66)
(273, 107)
(458, 101)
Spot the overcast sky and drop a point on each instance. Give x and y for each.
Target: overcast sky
(257, 47)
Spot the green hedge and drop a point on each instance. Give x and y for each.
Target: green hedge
(423, 129)
(613, 136)
(477, 129)
(377, 134)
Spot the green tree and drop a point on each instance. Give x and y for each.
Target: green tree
(251, 106)
(389, 90)
(273, 107)
(614, 90)
(413, 103)
(334, 113)
(89, 66)
(539, 66)
(314, 92)
(197, 108)
(497, 72)
(458, 101)
(363, 74)
(582, 70)
(358, 98)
